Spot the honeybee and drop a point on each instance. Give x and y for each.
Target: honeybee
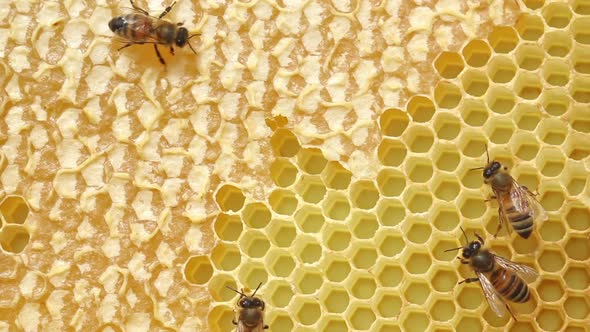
(500, 278)
(141, 28)
(250, 312)
(517, 204)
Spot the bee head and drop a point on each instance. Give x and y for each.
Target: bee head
(116, 23)
(181, 37)
(491, 169)
(250, 302)
(471, 249)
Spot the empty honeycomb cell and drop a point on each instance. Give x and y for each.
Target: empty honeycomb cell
(362, 286)
(469, 296)
(444, 280)
(580, 119)
(363, 225)
(552, 131)
(419, 139)
(466, 323)
(446, 157)
(439, 249)
(577, 307)
(308, 281)
(419, 169)
(280, 262)
(550, 319)
(556, 72)
(421, 108)
(337, 269)
(336, 237)
(534, 4)
(307, 312)
(284, 143)
(283, 201)
(529, 27)
(364, 194)
(393, 122)
(552, 199)
(557, 15)
(390, 153)
(389, 304)
(332, 324)
(251, 274)
(523, 326)
(501, 69)
(445, 217)
(14, 209)
(474, 112)
(447, 95)
(390, 212)
(550, 162)
(256, 215)
(389, 274)
(503, 39)
(530, 56)
(417, 292)
(501, 100)
(528, 85)
(281, 293)
(551, 260)
(525, 146)
(198, 270)
(364, 257)
(14, 238)
(334, 298)
(475, 82)
(575, 146)
(578, 248)
(477, 53)
(311, 189)
(550, 289)
(580, 89)
(418, 231)
(581, 59)
(418, 199)
(391, 182)
(309, 219)
(218, 287)
(472, 207)
(525, 246)
(493, 320)
(311, 160)
(221, 317)
(386, 326)
(390, 244)
(283, 172)
(415, 321)
(280, 322)
(307, 249)
(577, 276)
(418, 262)
(499, 130)
(449, 64)
(281, 233)
(527, 116)
(447, 126)
(555, 101)
(336, 206)
(578, 217)
(228, 227)
(557, 44)
(527, 176)
(575, 184)
(581, 30)
(552, 230)
(581, 7)
(362, 317)
(337, 177)
(446, 187)
(230, 198)
(443, 310)
(254, 243)
(225, 256)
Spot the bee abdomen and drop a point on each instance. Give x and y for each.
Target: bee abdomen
(522, 225)
(510, 286)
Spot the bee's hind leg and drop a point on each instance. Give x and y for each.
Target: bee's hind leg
(159, 55)
(138, 9)
(124, 46)
(265, 327)
(469, 280)
(172, 50)
(233, 321)
(167, 10)
(510, 311)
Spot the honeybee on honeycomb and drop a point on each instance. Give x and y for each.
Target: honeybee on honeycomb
(249, 312)
(501, 279)
(140, 28)
(517, 205)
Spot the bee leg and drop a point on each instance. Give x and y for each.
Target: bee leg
(172, 50)
(463, 261)
(469, 280)
(265, 327)
(510, 311)
(480, 238)
(138, 9)
(233, 321)
(491, 198)
(167, 10)
(124, 46)
(159, 55)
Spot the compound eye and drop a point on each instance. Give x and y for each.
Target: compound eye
(244, 303)
(257, 303)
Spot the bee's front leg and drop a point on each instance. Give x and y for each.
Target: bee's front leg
(469, 280)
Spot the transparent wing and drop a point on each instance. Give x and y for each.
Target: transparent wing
(244, 328)
(525, 201)
(502, 219)
(527, 273)
(495, 301)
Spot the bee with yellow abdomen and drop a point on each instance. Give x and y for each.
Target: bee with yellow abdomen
(501, 279)
(517, 205)
(250, 312)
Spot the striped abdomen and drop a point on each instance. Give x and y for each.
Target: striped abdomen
(133, 27)
(509, 285)
(520, 219)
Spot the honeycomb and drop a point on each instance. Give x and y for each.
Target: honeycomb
(322, 148)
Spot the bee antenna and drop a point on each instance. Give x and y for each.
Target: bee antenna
(256, 290)
(189, 43)
(464, 234)
(454, 249)
(237, 291)
(475, 169)
(487, 153)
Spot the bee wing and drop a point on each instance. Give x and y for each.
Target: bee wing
(527, 273)
(243, 328)
(495, 301)
(524, 200)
